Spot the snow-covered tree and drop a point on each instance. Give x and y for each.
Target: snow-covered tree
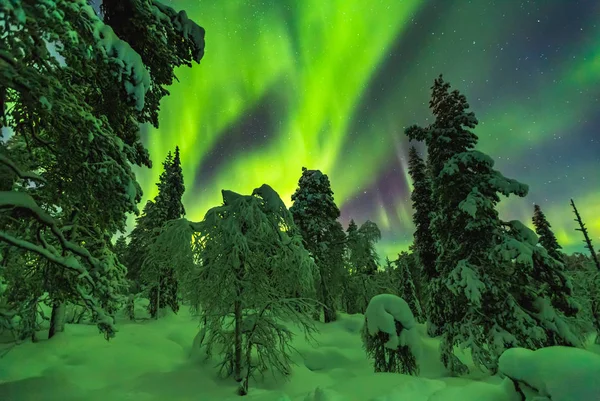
(424, 243)
(361, 246)
(315, 213)
(407, 291)
(78, 107)
(140, 239)
(120, 248)
(241, 268)
(389, 335)
(161, 279)
(543, 229)
(164, 38)
(362, 280)
(486, 309)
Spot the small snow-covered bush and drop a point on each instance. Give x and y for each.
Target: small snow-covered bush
(559, 373)
(387, 335)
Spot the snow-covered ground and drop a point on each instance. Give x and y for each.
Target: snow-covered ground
(153, 360)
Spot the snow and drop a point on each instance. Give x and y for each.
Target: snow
(562, 373)
(466, 277)
(153, 360)
(381, 316)
(133, 73)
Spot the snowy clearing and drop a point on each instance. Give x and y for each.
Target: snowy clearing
(150, 361)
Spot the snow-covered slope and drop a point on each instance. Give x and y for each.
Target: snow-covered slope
(150, 361)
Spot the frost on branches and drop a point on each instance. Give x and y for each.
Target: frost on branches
(245, 271)
(315, 213)
(389, 335)
(78, 109)
(482, 262)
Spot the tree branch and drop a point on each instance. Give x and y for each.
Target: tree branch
(26, 175)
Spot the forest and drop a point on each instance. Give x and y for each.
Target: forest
(76, 84)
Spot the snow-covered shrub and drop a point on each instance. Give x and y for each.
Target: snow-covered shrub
(559, 373)
(386, 335)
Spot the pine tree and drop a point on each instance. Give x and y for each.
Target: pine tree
(178, 42)
(140, 240)
(167, 205)
(386, 318)
(80, 114)
(369, 234)
(363, 281)
(483, 302)
(120, 247)
(547, 238)
(353, 245)
(245, 259)
(315, 213)
(406, 284)
(424, 243)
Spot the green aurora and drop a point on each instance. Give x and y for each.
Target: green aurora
(330, 85)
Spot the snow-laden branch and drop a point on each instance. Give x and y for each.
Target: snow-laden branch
(26, 175)
(22, 200)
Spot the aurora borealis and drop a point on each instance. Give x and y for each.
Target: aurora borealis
(330, 85)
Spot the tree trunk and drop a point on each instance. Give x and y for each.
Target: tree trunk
(238, 310)
(57, 319)
(237, 363)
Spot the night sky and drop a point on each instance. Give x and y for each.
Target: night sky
(331, 85)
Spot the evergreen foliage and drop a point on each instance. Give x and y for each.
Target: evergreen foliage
(363, 281)
(546, 237)
(361, 242)
(424, 243)
(78, 109)
(485, 308)
(160, 281)
(404, 266)
(120, 248)
(315, 213)
(386, 317)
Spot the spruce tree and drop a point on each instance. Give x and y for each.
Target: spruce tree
(547, 238)
(353, 245)
(424, 243)
(140, 239)
(363, 281)
(79, 114)
(406, 284)
(170, 207)
(120, 248)
(167, 205)
(485, 308)
(315, 213)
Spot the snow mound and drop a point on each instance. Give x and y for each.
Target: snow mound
(560, 373)
(381, 316)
